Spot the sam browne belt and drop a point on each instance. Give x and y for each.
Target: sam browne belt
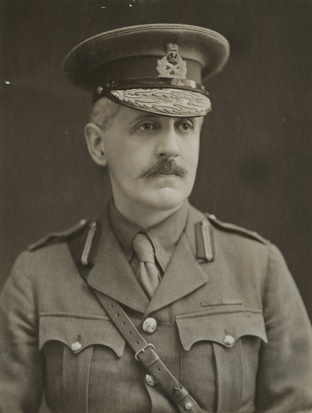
(144, 352)
(147, 355)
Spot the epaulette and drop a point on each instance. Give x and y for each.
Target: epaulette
(58, 236)
(236, 229)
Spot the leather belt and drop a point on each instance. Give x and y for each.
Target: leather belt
(145, 353)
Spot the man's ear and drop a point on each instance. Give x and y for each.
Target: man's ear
(95, 142)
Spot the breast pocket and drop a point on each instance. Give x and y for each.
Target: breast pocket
(68, 342)
(220, 354)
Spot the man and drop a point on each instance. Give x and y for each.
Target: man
(155, 307)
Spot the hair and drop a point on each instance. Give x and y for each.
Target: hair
(103, 112)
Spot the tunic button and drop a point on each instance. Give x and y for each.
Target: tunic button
(150, 380)
(149, 325)
(188, 406)
(76, 346)
(228, 340)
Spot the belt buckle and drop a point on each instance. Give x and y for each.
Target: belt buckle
(142, 350)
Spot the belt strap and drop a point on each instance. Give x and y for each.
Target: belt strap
(146, 354)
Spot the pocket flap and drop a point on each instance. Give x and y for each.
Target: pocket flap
(78, 332)
(224, 328)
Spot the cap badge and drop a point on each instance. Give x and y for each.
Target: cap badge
(172, 65)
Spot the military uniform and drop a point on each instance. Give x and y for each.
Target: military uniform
(231, 328)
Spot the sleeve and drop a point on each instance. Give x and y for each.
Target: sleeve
(21, 364)
(285, 363)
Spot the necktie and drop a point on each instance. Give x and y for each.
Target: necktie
(148, 274)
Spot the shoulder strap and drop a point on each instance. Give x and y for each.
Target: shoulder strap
(58, 236)
(225, 226)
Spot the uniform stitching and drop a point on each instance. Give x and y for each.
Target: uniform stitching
(73, 315)
(88, 381)
(207, 313)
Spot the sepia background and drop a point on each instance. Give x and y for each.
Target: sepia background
(256, 152)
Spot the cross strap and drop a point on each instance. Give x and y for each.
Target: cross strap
(147, 355)
(144, 352)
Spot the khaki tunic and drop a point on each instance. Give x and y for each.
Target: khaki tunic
(232, 330)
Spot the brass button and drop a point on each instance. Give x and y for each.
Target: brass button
(149, 325)
(150, 380)
(76, 346)
(188, 406)
(228, 340)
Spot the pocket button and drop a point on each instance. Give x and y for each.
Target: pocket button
(76, 346)
(228, 340)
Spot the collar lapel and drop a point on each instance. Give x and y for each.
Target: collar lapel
(183, 276)
(113, 276)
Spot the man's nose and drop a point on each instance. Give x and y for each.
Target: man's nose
(168, 144)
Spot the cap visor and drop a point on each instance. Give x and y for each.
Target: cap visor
(166, 102)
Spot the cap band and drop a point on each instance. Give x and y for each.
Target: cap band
(150, 83)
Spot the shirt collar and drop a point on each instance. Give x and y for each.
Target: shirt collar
(164, 235)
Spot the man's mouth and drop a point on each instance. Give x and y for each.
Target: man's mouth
(163, 167)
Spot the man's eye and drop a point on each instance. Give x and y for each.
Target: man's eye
(146, 127)
(185, 126)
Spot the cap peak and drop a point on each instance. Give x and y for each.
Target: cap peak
(150, 56)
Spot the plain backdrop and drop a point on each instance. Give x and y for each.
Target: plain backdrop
(256, 154)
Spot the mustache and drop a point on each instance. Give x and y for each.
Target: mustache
(163, 167)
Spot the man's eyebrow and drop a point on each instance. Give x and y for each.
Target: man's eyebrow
(143, 116)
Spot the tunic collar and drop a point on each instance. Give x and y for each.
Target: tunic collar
(164, 235)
